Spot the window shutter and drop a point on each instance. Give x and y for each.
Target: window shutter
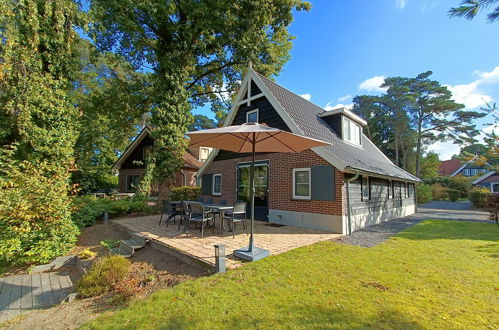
(323, 182)
(206, 184)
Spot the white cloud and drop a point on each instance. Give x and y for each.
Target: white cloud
(400, 3)
(471, 95)
(329, 106)
(444, 149)
(306, 96)
(373, 84)
(344, 98)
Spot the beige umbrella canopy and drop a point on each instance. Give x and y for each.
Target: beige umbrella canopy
(252, 138)
(242, 138)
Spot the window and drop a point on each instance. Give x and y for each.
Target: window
(390, 189)
(301, 183)
(495, 187)
(466, 172)
(252, 116)
(146, 151)
(132, 182)
(366, 188)
(352, 131)
(204, 152)
(406, 190)
(217, 184)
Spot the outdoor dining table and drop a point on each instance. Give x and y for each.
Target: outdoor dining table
(220, 207)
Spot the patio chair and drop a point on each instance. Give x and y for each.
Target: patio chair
(184, 214)
(238, 214)
(169, 211)
(198, 214)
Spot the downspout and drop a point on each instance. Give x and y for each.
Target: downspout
(349, 216)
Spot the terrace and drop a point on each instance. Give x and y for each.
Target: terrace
(192, 248)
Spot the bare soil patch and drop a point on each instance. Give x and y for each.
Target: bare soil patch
(160, 270)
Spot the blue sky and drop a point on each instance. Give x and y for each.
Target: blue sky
(345, 48)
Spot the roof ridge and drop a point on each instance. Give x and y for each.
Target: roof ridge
(305, 100)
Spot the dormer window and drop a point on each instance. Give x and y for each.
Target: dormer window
(252, 116)
(352, 131)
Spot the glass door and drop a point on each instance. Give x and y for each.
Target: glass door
(261, 188)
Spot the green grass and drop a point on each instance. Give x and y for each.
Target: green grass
(437, 274)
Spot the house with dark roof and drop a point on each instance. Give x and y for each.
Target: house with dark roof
(342, 187)
(131, 164)
(454, 167)
(489, 180)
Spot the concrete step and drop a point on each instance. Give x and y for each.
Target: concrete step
(133, 244)
(120, 252)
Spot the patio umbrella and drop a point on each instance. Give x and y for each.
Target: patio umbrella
(252, 138)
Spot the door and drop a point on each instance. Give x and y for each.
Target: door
(261, 188)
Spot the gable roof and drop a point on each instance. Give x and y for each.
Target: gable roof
(447, 167)
(463, 166)
(483, 177)
(304, 118)
(189, 160)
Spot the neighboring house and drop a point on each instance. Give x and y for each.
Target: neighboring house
(453, 167)
(131, 164)
(309, 189)
(489, 180)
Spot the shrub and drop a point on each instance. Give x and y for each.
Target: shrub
(185, 193)
(135, 282)
(35, 214)
(460, 183)
(453, 194)
(438, 192)
(88, 209)
(87, 253)
(493, 206)
(104, 275)
(423, 193)
(478, 196)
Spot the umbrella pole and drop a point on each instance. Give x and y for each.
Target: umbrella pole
(252, 192)
(251, 252)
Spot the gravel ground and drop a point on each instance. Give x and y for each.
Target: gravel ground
(376, 234)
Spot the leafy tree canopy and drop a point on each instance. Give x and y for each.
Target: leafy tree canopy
(470, 8)
(196, 52)
(202, 122)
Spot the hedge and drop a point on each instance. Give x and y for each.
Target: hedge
(493, 206)
(88, 209)
(478, 196)
(424, 193)
(453, 194)
(185, 193)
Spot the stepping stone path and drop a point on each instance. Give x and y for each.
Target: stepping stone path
(32, 291)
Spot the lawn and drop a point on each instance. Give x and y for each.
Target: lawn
(437, 274)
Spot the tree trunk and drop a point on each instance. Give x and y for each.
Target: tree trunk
(418, 144)
(396, 150)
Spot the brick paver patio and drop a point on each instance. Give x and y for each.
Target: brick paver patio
(275, 239)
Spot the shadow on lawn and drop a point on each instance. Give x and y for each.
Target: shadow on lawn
(324, 317)
(309, 317)
(491, 249)
(444, 229)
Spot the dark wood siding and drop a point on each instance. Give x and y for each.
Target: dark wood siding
(334, 122)
(254, 89)
(266, 114)
(379, 195)
(137, 155)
